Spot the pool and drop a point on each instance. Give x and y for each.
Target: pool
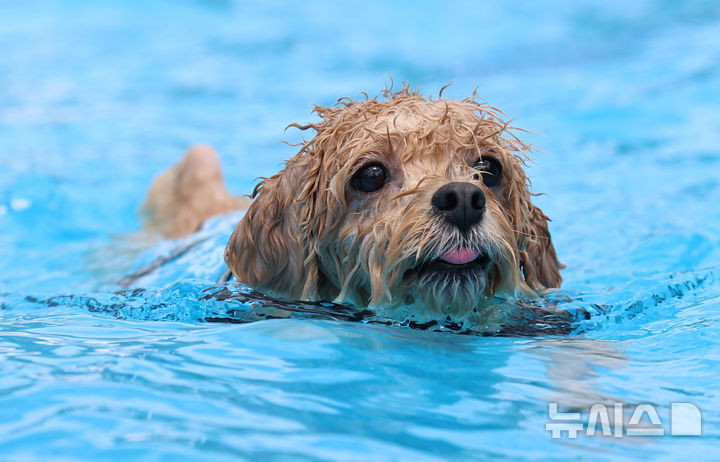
(622, 98)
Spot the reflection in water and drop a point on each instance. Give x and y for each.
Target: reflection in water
(574, 366)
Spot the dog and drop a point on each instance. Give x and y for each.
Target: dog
(398, 200)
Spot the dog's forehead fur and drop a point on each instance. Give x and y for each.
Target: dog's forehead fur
(414, 126)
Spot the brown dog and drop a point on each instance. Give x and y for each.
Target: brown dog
(400, 200)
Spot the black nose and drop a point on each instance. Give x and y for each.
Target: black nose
(461, 203)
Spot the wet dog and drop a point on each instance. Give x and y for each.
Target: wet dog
(397, 200)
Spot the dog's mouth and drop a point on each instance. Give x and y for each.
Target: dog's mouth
(456, 261)
(455, 279)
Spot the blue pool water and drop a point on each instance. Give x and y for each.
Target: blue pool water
(623, 99)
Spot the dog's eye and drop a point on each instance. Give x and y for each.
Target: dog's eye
(370, 178)
(491, 171)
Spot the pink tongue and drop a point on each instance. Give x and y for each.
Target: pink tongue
(460, 256)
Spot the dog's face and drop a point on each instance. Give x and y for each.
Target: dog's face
(405, 201)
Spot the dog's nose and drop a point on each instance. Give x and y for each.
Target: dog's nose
(461, 203)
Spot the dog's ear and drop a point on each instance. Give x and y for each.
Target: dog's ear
(272, 248)
(539, 262)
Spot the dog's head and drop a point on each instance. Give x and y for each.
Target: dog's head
(399, 200)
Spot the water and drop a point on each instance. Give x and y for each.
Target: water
(97, 97)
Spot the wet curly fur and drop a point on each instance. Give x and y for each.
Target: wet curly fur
(310, 235)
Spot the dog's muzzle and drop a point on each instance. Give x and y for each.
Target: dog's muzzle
(461, 204)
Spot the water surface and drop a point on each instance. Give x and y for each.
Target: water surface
(97, 97)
